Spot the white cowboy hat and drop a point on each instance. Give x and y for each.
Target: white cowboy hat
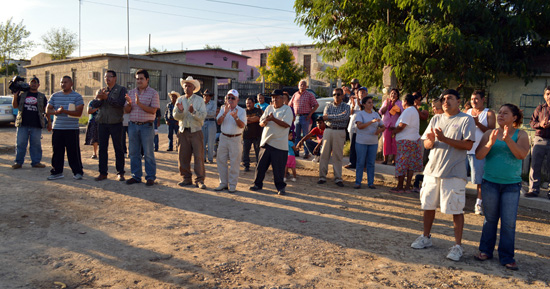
(194, 82)
(174, 92)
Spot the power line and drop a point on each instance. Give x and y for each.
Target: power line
(247, 5)
(187, 16)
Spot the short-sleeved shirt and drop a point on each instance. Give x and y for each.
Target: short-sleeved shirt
(446, 161)
(253, 130)
(411, 118)
(317, 132)
(367, 135)
(274, 134)
(303, 103)
(31, 117)
(59, 99)
(290, 149)
(262, 106)
(148, 97)
(229, 124)
(92, 116)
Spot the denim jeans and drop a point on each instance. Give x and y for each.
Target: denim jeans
(156, 138)
(310, 146)
(302, 124)
(209, 133)
(366, 156)
(247, 144)
(500, 201)
(32, 136)
(172, 129)
(141, 136)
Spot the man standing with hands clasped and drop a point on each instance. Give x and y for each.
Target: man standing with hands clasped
(142, 105)
(449, 135)
(232, 119)
(190, 111)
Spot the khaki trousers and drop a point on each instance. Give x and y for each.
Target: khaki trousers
(191, 144)
(333, 144)
(229, 149)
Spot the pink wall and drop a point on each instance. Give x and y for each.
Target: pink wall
(254, 60)
(218, 58)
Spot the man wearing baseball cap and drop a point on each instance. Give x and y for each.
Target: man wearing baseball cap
(232, 119)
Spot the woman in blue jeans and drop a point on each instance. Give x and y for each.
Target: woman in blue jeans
(503, 149)
(369, 126)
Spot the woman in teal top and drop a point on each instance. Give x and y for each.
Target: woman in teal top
(503, 149)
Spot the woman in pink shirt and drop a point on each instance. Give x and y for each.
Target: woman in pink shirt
(390, 110)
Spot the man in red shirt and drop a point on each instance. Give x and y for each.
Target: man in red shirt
(304, 104)
(311, 146)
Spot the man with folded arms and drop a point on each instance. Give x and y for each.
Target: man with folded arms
(304, 104)
(232, 119)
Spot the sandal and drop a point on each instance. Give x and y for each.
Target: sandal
(480, 256)
(512, 266)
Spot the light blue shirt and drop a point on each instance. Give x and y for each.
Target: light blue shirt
(59, 99)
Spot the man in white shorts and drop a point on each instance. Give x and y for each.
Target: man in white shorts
(449, 135)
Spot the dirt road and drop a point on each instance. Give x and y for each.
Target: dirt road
(89, 234)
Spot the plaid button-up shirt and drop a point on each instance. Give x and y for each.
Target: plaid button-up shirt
(149, 97)
(303, 103)
(338, 116)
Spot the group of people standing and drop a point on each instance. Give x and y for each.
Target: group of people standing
(454, 141)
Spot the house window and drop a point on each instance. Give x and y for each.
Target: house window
(307, 64)
(263, 59)
(235, 64)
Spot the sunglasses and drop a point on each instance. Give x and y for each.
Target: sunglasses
(336, 94)
(231, 97)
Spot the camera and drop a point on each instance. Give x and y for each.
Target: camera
(18, 84)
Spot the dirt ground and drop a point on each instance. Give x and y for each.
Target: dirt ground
(88, 234)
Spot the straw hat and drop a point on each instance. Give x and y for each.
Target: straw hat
(194, 82)
(174, 92)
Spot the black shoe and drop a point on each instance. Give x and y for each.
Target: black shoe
(131, 181)
(372, 187)
(281, 192)
(247, 169)
(530, 195)
(156, 150)
(149, 183)
(255, 188)
(340, 184)
(169, 150)
(183, 184)
(320, 182)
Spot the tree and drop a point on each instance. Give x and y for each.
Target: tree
(209, 46)
(60, 42)
(12, 40)
(154, 50)
(281, 67)
(10, 69)
(429, 44)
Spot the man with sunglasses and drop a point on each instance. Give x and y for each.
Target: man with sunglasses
(336, 117)
(232, 119)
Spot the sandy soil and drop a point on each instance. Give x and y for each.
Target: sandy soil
(88, 234)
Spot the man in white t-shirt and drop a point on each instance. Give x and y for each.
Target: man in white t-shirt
(450, 135)
(276, 122)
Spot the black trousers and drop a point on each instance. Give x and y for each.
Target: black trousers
(247, 145)
(277, 159)
(115, 131)
(66, 140)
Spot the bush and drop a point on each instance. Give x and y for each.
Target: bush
(346, 148)
(83, 121)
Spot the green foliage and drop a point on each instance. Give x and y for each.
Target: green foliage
(208, 46)
(11, 68)
(429, 43)
(60, 42)
(281, 67)
(154, 50)
(12, 40)
(83, 120)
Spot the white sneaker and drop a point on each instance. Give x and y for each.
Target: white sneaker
(220, 188)
(201, 185)
(455, 253)
(315, 159)
(293, 179)
(55, 177)
(478, 209)
(422, 242)
(77, 177)
(284, 179)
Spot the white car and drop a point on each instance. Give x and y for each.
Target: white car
(6, 110)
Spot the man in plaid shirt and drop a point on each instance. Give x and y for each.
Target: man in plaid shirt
(142, 104)
(304, 104)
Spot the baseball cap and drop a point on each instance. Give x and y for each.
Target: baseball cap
(233, 92)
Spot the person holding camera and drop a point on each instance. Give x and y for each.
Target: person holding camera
(29, 123)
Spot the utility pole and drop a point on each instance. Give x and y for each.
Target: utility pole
(79, 27)
(128, 32)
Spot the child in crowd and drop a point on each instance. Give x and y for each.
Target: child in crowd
(291, 161)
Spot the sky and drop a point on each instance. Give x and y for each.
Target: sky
(233, 25)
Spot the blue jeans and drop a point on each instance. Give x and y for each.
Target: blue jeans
(141, 136)
(500, 201)
(172, 129)
(366, 154)
(302, 124)
(32, 136)
(209, 133)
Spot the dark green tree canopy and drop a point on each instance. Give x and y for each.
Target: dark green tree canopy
(429, 43)
(281, 67)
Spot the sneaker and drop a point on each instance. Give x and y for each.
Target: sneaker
(315, 159)
(220, 188)
(284, 179)
(254, 188)
(16, 166)
(39, 165)
(232, 190)
(77, 177)
(455, 253)
(201, 185)
(340, 184)
(281, 192)
(293, 179)
(478, 209)
(55, 177)
(320, 182)
(422, 242)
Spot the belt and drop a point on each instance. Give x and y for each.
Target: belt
(231, 135)
(142, 123)
(209, 119)
(336, 128)
(302, 114)
(187, 128)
